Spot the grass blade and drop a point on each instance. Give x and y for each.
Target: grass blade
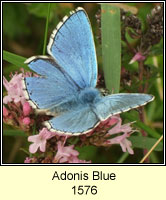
(46, 29)
(14, 59)
(111, 46)
(123, 157)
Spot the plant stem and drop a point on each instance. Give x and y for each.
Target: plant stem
(141, 113)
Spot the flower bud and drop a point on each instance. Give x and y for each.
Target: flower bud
(26, 109)
(26, 121)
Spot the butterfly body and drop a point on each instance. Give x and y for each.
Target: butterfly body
(66, 85)
(89, 96)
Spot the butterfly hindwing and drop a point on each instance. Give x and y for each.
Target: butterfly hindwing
(118, 103)
(84, 118)
(72, 46)
(74, 122)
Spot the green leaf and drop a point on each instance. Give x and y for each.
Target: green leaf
(111, 46)
(145, 143)
(87, 152)
(12, 132)
(14, 59)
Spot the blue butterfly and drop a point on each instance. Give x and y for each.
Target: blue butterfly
(66, 87)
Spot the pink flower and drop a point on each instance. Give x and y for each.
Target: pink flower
(26, 120)
(124, 143)
(18, 115)
(39, 141)
(66, 154)
(14, 89)
(27, 160)
(119, 128)
(7, 116)
(30, 160)
(28, 74)
(76, 160)
(18, 109)
(5, 111)
(26, 109)
(138, 57)
(110, 121)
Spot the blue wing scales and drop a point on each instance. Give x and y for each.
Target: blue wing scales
(85, 118)
(72, 46)
(118, 103)
(52, 88)
(78, 121)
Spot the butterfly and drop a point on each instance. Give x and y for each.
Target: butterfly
(66, 85)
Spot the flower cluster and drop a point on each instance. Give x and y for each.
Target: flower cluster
(147, 38)
(111, 132)
(154, 32)
(16, 111)
(50, 147)
(130, 21)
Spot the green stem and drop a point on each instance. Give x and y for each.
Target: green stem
(123, 157)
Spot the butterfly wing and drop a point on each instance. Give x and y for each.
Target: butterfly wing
(72, 46)
(74, 122)
(72, 67)
(51, 88)
(118, 103)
